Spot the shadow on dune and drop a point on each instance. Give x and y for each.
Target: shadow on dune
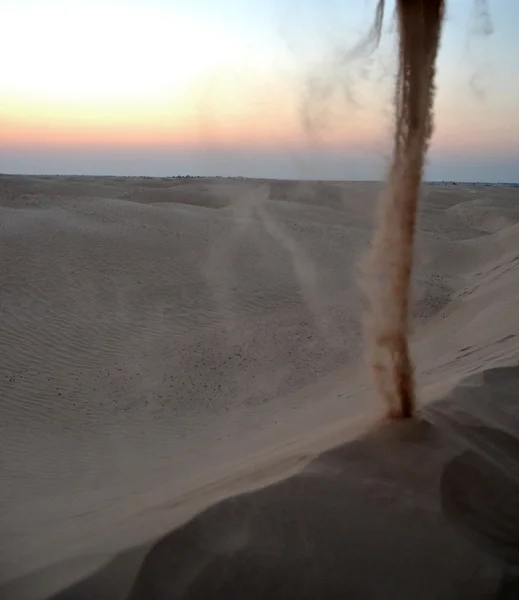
(366, 520)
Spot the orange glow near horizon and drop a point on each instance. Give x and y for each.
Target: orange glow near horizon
(250, 114)
(149, 75)
(112, 73)
(219, 115)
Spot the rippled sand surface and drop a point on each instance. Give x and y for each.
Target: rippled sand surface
(169, 344)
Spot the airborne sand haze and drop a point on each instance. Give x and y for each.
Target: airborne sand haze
(387, 269)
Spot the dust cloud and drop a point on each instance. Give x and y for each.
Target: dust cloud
(386, 271)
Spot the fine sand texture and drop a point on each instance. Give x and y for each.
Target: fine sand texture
(185, 411)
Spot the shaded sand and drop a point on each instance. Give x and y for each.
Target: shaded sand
(168, 344)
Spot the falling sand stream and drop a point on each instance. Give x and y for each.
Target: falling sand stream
(386, 271)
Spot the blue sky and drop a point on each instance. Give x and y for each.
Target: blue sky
(164, 87)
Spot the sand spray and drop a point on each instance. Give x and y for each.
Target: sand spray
(385, 274)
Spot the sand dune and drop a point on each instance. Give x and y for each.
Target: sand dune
(168, 344)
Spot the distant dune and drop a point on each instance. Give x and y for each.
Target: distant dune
(168, 344)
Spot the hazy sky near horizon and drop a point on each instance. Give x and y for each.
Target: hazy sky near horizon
(241, 87)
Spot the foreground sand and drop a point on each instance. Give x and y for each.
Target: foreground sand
(171, 343)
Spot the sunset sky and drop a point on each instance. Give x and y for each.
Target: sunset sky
(243, 87)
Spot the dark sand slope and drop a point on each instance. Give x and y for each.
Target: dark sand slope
(361, 521)
(167, 345)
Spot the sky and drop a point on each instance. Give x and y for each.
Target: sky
(242, 87)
